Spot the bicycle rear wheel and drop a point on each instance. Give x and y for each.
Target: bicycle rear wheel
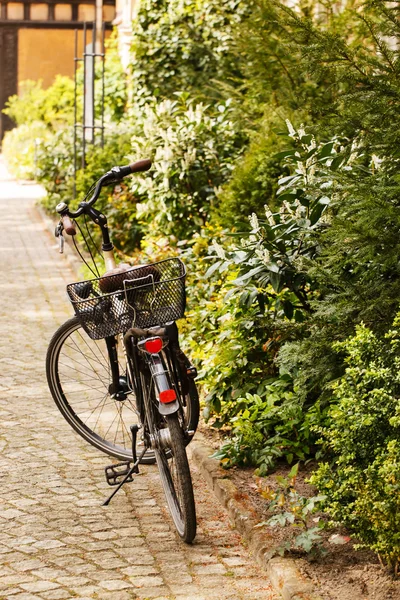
(176, 480)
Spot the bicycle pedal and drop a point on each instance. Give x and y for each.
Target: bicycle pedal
(116, 473)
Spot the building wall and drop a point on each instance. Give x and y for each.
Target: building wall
(45, 53)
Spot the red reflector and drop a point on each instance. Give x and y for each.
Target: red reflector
(167, 396)
(153, 345)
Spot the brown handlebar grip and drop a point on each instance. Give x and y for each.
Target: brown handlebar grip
(69, 226)
(140, 165)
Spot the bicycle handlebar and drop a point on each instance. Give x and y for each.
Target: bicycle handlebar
(113, 176)
(69, 226)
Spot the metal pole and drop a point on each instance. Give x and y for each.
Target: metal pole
(84, 99)
(99, 23)
(75, 107)
(93, 59)
(103, 82)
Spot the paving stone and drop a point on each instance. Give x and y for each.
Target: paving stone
(146, 581)
(149, 592)
(212, 569)
(39, 586)
(56, 595)
(140, 570)
(114, 585)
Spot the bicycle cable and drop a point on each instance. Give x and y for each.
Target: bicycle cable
(95, 246)
(96, 274)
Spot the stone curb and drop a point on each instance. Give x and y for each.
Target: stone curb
(283, 573)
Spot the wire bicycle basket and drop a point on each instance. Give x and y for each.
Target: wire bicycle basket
(144, 296)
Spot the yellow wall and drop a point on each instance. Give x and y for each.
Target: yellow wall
(45, 53)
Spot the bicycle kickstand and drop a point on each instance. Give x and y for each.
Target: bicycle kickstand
(114, 472)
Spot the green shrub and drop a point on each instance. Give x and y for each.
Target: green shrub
(194, 147)
(55, 167)
(361, 438)
(115, 84)
(181, 45)
(20, 148)
(268, 428)
(39, 114)
(254, 181)
(53, 106)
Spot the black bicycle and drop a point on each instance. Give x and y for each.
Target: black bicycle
(116, 370)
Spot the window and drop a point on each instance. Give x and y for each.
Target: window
(15, 11)
(86, 12)
(63, 12)
(108, 12)
(39, 12)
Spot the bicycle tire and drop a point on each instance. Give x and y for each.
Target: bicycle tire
(176, 480)
(115, 422)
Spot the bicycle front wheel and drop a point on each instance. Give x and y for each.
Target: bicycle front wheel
(79, 377)
(176, 479)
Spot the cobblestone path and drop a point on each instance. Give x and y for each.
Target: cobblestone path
(56, 540)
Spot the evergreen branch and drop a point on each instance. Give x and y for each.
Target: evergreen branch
(383, 48)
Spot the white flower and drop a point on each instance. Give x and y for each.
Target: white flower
(263, 255)
(291, 129)
(300, 210)
(301, 168)
(301, 131)
(376, 161)
(254, 222)
(269, 215)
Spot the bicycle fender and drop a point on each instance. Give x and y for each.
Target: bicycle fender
(168, 409)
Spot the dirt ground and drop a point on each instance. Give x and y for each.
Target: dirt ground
(341, 573)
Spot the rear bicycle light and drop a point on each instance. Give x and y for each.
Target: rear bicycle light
(167, 396)
(153, 345)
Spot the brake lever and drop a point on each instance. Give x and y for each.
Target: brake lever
(59, 234)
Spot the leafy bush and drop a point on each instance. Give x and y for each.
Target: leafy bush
(194, 147)
(53, 106)
(115, 83)
(253, 298)
(254, 181)
(181, 45)
(20, 148)
(55, 168)
(266, 429)
(362, 479)
(39, 113)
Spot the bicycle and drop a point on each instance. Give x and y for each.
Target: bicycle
(116, 368)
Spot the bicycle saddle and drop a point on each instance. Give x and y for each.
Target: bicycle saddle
(113, 280)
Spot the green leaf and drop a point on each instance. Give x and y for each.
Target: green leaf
(288, 309)
(276, 281)
(326, 150)
(284, 154)
(212, 269)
